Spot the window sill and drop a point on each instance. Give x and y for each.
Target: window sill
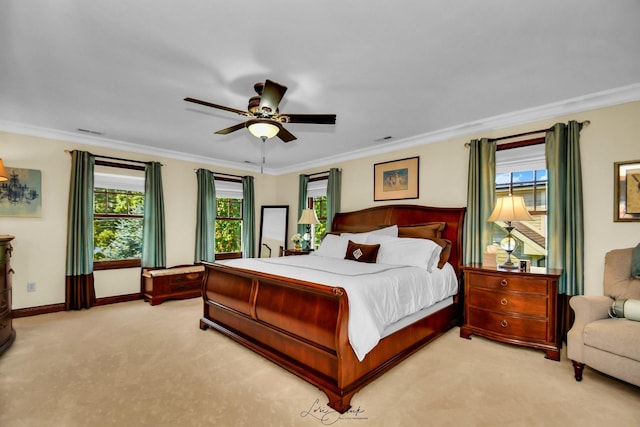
(112, 265)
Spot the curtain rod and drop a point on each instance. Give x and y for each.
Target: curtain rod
(317, 173)
(220, 174)
(533, 132)
(115, 158)
(227, 174)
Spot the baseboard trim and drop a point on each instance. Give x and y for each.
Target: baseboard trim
(35, 311)
(54, 308)
(118, 298)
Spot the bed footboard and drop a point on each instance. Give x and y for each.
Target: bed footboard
(303, 327)
(300, 326)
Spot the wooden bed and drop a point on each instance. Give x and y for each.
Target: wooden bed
(302, 326)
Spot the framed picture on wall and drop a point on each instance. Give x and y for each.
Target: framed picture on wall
(396, 180)
(20, 194)
(626, 205)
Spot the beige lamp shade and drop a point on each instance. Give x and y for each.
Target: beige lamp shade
(3, 172)
(263, 129)
(510, 208)
(308, 217)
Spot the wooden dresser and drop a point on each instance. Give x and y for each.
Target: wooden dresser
(7, 333)
(178, 282)
(513, 307)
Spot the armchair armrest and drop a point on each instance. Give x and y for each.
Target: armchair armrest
(588, 308)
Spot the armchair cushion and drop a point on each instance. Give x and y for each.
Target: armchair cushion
(615, 336)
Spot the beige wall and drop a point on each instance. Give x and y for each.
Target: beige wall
(612, 136)
(40, 243)
(39, 247)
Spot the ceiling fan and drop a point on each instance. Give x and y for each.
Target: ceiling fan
(265, 120)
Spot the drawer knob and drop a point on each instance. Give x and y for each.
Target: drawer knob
(504, 301)
(503, 282)
(504, 323)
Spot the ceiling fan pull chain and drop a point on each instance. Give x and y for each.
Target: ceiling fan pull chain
(264, 141)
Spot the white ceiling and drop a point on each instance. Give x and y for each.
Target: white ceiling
(414, 70)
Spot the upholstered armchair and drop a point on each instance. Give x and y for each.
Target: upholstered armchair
(609, 345)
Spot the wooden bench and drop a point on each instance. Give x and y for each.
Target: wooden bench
(179, 282)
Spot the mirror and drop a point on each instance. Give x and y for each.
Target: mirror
(273, 231)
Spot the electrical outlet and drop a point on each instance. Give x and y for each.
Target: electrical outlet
(31, 287)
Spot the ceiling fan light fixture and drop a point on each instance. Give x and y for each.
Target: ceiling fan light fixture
(263, 128)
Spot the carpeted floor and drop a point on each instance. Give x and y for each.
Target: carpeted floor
(131, 364)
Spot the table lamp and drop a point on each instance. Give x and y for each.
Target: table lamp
(307, 218)
(509, 208)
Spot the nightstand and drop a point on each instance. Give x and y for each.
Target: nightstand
(513, 307)
(288, 252)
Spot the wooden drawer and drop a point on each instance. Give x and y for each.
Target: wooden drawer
(189, 281)
(508, 302)
(7, 334)
(5, 301)
(530, 284)
(506, 324)
(5, 326)
(4, 273)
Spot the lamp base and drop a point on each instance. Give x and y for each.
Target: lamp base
(508, 266)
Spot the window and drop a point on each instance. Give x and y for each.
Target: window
(317, 199)
(229, 219)
(521, 171)
(118, 208)
(228, 225)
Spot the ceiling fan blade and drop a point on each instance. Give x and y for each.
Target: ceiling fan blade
(220, 107)
(230, 129)
(285, 135)
(271, 96)
(321, 119)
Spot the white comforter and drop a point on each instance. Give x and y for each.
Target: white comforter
(378, 294)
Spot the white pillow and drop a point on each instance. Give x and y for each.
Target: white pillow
(423, 253)
(355, 237)
(387, 231)
(362, 237)
(332, 246)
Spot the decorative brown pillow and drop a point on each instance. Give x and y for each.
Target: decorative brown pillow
(445, 253)
(429, 230)
(362, 253)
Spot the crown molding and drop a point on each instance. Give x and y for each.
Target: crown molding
(607, 98)
(114, 144)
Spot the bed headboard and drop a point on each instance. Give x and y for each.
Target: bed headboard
(381, 216)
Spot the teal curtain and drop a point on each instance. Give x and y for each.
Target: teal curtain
(565, 223)
(79, 286)
(334, 193)
(248, 218)
(481, 194)
(302, 201)
(205, 217)
(153, 227)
